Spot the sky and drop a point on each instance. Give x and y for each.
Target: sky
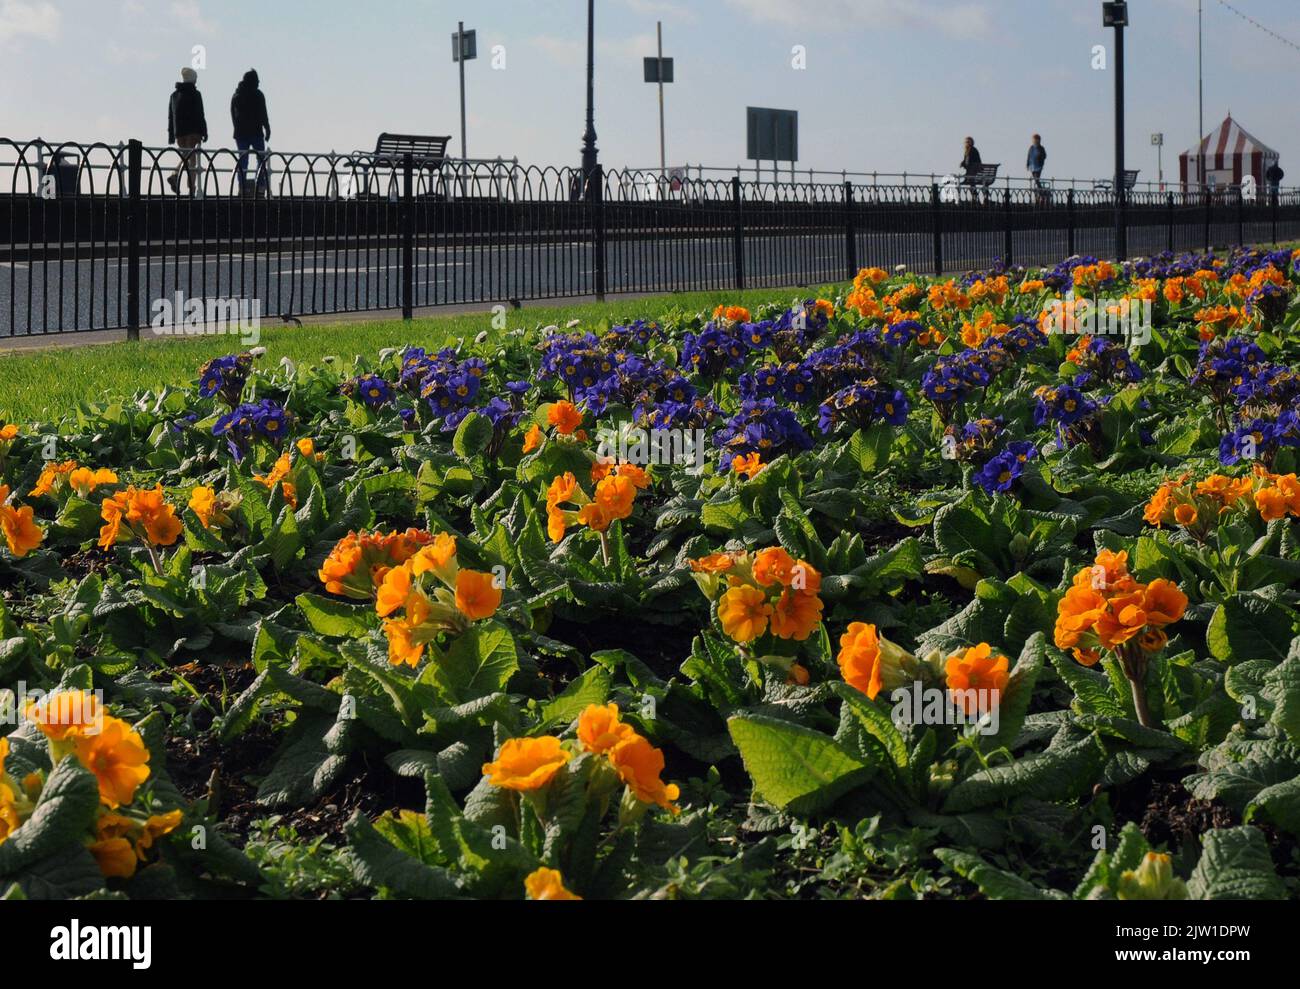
(885, 85)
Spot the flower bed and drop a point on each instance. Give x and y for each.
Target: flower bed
(914, 591)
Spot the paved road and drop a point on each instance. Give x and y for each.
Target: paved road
(62, 297)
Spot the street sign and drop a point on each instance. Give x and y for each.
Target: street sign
(658, 69)
(1114, 14)
(772, 135)
(468, 48)
(1158, 140)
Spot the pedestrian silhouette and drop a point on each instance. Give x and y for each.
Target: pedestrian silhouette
(1036, 160)
(1274, 177)
(972, 164)
(252, 131)
(187, 128)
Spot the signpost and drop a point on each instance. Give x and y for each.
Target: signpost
(1159, 141)
(659, 70)
(772, 135)
(464, 46)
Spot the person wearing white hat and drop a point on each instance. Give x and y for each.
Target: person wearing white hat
(187, 128)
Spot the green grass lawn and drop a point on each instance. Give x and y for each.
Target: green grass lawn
(40, 385)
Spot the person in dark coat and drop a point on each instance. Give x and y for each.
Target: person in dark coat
(187, 128)
(252, 128)
(971, 163)
(1274, 177)
(1036, 159)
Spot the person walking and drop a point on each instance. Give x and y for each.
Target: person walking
(1036, 160)
(971, 163)
(187, 128)
(1274, 177)
(252, 130)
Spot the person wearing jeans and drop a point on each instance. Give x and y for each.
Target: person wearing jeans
(187, 128)
(252, 129)
(1036, 160)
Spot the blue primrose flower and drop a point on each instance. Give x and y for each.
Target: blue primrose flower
(863, 404)
(225, 376)
(369, 389)
(267, 420)
(1000, 474)
(763, 427)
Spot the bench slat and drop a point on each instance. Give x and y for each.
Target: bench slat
(427, 149)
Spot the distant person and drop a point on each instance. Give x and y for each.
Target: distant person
(1274, 177)
(187, 128)
(252, 128)
(1036, 160)
(971, 163)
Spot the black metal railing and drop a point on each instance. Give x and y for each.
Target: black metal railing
(99, 237)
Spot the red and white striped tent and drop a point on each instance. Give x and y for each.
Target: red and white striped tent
(1230, 154)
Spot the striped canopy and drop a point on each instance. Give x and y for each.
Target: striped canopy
(1230, 153)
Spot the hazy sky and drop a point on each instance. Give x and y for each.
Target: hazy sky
(889, 84)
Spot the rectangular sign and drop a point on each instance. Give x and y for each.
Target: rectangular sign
(771, 135)
(652, 69)
(468, 46)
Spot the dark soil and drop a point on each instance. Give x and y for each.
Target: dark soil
(201, 765)
(661, 647)
(1167, 814)
(1170, 816)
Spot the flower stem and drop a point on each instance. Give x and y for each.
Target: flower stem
(1134, 664)
(1140, 705)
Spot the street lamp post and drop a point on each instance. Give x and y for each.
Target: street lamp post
(1200, 92)
(590, 159)
(1115, 14)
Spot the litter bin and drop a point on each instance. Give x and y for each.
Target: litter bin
(64, 166)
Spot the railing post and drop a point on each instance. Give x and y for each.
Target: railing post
(597, 178)
(1169, 212)
(937, 228)
(1006, 218)
(1121, 223)
(738, 232)
(1069, 221)
(1273, 205)
(134, 165)
(850, 230)
(1209, 205)
(1241, 218)
(408, 235)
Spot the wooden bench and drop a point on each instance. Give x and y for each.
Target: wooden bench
(429, 152)
(982, 181)
(986, 176)
(1108, 185)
